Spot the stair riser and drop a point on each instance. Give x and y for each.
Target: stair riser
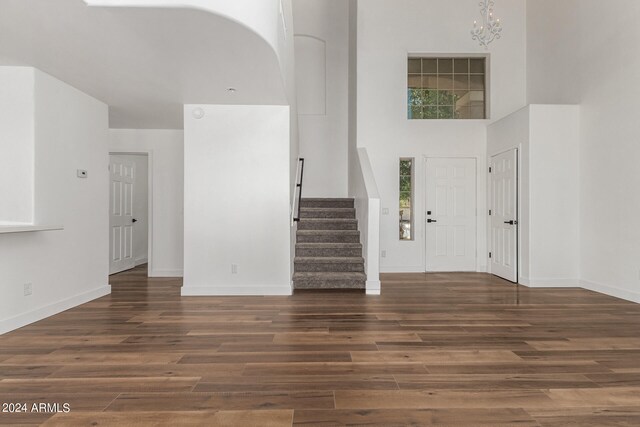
(329, 252)
(326, 204)
(329, 267)
(329, 238)
(329, 284)
(327, 225)
(348, 214)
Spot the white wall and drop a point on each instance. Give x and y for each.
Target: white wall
(322, 71)
(353, 97)
(596, 65)
(260, 16)
(16, 144)
(554, 189)
(547, 139)
(166, 155)
(68, 267)
(236, 200)
(387, 31)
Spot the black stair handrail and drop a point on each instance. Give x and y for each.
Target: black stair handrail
(299, 188)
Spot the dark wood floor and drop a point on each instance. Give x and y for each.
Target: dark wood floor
(433, 349)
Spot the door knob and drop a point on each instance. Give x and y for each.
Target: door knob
(134, 220)
(429, 221)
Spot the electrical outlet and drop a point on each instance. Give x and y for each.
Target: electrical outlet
(28, 289)
(385, 211)
(234, 268)
(383, 254)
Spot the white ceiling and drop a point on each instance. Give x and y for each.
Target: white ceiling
(144, 63)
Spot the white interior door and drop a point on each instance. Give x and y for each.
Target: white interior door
(450, 214)
(122, 185)
(504, 215)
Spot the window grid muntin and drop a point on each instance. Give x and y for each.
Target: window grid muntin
(448, 71)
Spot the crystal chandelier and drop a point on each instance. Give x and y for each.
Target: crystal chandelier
(490, 28)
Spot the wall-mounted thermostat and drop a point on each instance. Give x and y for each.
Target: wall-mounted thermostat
(82, 173)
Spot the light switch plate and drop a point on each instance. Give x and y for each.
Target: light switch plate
(82, 173)
(385, 211)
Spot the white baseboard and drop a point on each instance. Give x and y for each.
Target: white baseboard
(549, 283)
(391, 269)
(165, 273)
(611, 291)
(373, 287)
(140, 261)
(51, 309)
(233, 290)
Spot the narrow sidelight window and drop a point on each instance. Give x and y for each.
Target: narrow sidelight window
(406, 198)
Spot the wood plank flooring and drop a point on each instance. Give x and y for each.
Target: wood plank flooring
(433, 349)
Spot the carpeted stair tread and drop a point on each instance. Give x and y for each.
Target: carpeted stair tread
(306, 213)
(327, 199)
(329, 275)
(328, 245)
(328, 249)
(327, 203)
(330, 260)
(322, 232)
(328, 224)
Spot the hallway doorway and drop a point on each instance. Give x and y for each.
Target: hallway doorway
(129, 211)
(503, 215)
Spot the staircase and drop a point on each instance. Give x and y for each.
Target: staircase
(328, 249)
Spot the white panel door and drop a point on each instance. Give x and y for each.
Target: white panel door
(504, 215)
(122, 174)
(450, 214)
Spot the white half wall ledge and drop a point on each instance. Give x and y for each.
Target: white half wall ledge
(6, 229)
(40, 313)
(367, 203)
(230, 290)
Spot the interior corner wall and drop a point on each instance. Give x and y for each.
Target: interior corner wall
(166, 148)
(388, 30)
(236, 200)
(322, 51)
(554, 189)
(592, 63)
(547, 139)
(354, 164)
(287, 64)
(16, 144)
(513, 131)
(67, 267)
